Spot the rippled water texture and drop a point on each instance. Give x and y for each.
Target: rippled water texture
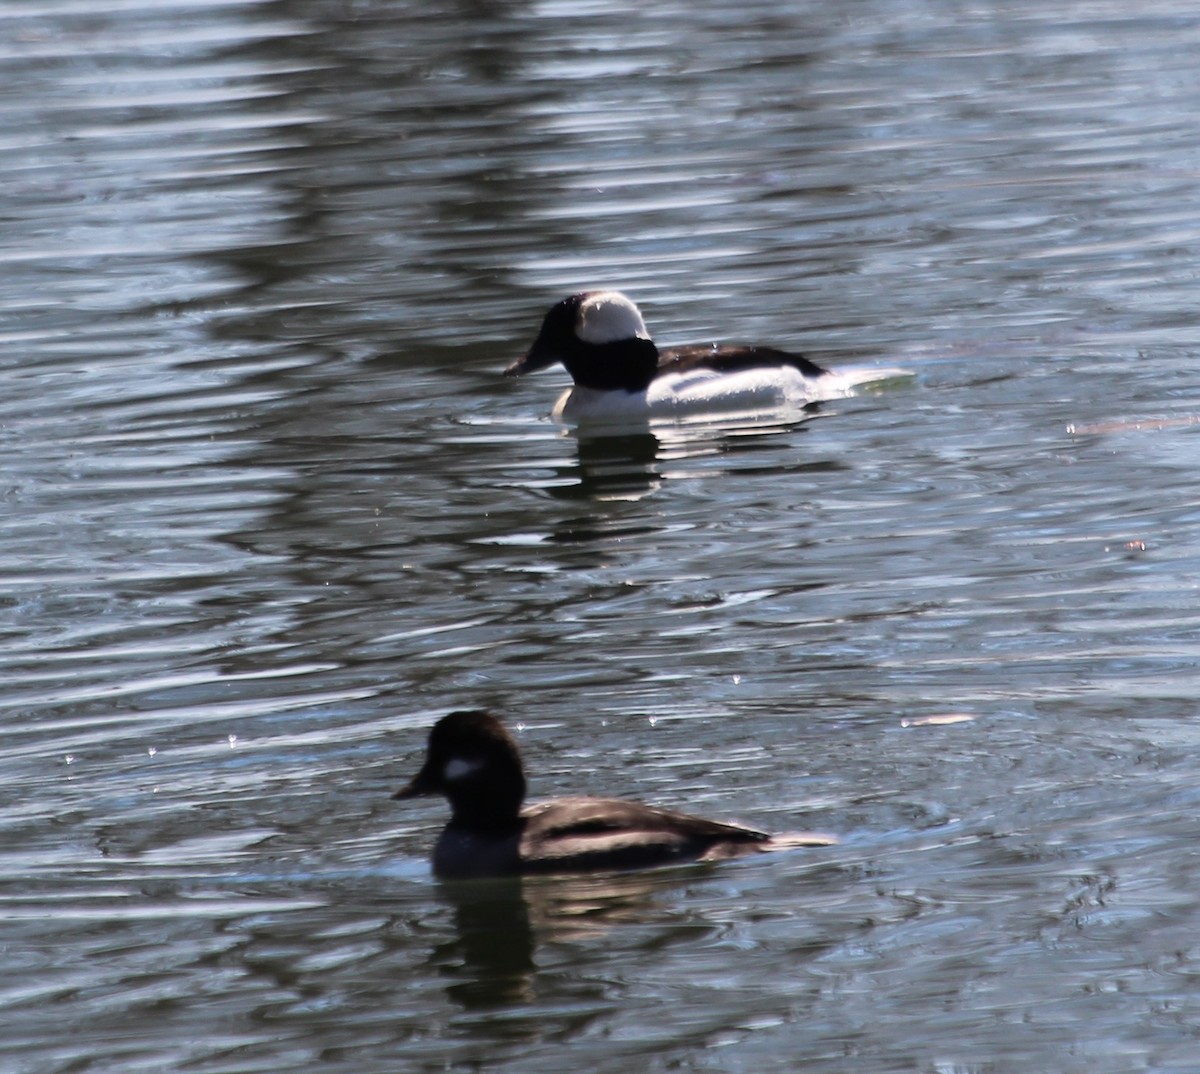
(270, 508)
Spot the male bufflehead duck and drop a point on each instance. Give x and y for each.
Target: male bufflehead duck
(621, 376)
(474, 762)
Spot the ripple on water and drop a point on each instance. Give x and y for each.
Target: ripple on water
(270, 509)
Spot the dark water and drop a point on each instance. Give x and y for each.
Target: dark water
(269, 509)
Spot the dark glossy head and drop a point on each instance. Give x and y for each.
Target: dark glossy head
(474, 762)
(601, 339)
(556, 336)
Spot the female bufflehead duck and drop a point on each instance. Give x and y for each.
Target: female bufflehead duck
(621, 376)
(474, 762)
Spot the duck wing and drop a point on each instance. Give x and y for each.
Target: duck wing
(731, 359)
(609, 833)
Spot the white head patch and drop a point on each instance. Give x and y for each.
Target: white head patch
(608, 316)
(460, 768)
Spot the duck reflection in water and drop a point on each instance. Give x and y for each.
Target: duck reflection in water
(629, 465)
(490, 956)
(499, 922)
(623, 467)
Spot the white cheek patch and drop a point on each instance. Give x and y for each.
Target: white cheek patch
(460, 768)
(608, 316)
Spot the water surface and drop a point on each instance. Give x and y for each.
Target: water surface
(270, 509)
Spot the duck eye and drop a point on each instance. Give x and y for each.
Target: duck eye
(460, 768)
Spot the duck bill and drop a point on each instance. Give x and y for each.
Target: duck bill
(538, 358)
(419, 785)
